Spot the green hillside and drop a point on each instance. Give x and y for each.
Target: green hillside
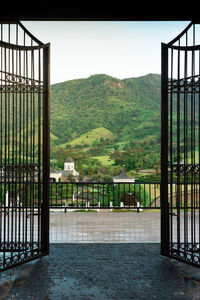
(88, 138)
(78, 106)
(102, 115)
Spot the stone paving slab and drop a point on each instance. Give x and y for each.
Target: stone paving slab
(101, 271)
(112, 227)
(104, 227)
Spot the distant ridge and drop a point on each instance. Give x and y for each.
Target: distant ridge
(129, 109)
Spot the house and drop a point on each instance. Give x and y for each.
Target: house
(54, 174)
(69, 170)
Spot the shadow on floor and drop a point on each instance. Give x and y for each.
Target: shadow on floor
(98, 271)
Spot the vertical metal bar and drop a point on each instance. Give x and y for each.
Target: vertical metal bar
(9, 137)
(39, 147)
(5, 159)
(164, 152)
(23, 151)
(61, 200)
(81, 192)
(1, 148)
(20, 133)
(150, 192)
(75, 191)
(56, 195)
(13, 216)
(30, 134)
(178, 149)
(46, 151)
(199, 153)
(194, 132)
(67, 194)
(192, 153)
(109, 193)
(119, 190)
(87, 193)
(26, 131)
(171, 152)
(185, 155)
(72, 190)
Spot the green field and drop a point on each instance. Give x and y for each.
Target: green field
(90, 137)
(105, 160)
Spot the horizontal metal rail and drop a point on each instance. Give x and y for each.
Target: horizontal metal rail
(100, 195)
(104, 195)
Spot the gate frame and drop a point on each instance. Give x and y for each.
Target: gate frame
(167, 212)
(46, 153)
(43, 243)
(164, 153)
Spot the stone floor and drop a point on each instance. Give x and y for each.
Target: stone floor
(105, 227)
(102, 256)
(101, 271)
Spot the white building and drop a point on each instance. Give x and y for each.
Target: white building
(54, 174)
(63, 174)
(69, 167)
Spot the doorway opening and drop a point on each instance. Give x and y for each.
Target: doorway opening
(26, 191)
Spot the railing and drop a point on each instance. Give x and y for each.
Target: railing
(98, 195)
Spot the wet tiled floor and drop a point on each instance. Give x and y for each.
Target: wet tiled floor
(114, 227)
(98, 271)
(105, 227)
(102, 255)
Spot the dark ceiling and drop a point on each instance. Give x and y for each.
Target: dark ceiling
(97, 10)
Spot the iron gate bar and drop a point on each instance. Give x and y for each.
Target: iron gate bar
(171, 134)
(164, 153)
(46, 152)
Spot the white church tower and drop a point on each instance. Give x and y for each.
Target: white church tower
(69, 166)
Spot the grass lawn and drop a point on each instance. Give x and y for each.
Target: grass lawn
(91, 136)
(105, 160)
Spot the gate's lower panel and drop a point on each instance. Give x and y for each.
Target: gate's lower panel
(189, 253)
(20, 239)
(184, 239)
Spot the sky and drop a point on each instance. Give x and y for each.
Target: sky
(121, 49)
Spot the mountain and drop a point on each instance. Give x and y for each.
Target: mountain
(128, 108)
(87, 139)
(101, 114)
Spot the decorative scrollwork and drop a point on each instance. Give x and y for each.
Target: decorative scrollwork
(20, 257)
(20, 168)
(185, 168)
(23, 167)
(18, 79)
(17, 89)
(189, 252)
(19, 246)
(185, 85)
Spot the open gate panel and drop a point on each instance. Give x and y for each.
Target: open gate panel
(24, 152)
(180, 159)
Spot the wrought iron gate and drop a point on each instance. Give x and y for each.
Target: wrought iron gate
(180, 151)
(24, 146)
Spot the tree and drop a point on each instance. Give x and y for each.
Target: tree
(71, 178)
(157, 166)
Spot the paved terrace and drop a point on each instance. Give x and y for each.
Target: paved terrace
(105, 227)
(102, 256)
